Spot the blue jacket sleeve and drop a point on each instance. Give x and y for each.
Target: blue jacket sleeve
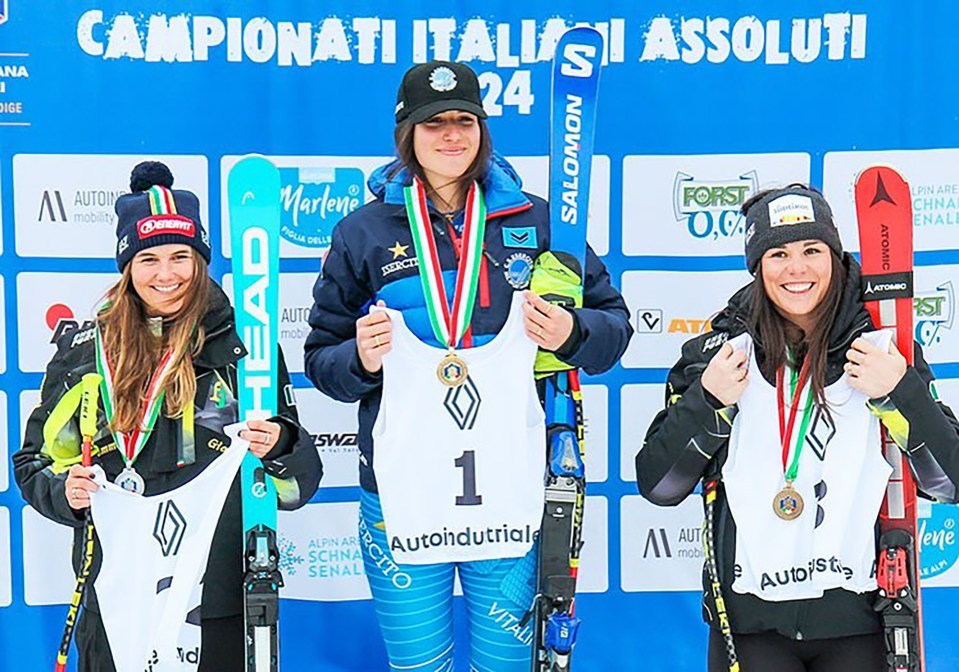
(340, 297)
(602, 324)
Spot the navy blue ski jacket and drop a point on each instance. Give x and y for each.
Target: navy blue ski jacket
(372, 257)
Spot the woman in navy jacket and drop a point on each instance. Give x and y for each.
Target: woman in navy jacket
(442, 139)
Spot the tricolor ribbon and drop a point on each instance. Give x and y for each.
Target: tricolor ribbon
(449, 323)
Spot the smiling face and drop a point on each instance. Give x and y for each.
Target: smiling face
(796, 277)
(445, 146)
(162, 276)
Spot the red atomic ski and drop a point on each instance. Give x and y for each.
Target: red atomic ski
(884, 213)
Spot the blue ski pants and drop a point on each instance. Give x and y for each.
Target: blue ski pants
(414, 604)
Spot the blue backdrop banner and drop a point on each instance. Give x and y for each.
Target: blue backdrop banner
(702, 103)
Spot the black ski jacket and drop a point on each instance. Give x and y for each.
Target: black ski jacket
(688, 441)
(41, 470)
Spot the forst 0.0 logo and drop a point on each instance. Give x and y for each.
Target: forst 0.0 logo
(934, 312)
(710, 209)
(314, 200)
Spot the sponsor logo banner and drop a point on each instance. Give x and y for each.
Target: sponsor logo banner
(535, 173)
(6, 594)
(320, 553)
(662, 547)
(934, 312)
(690, 205)
(315, 199)
(333, 426)
(63, 203)
(316, 192)
(596, 422)
(933, 177)
(296, 299)
(639, 404)
(47, 575)
(938, 547)
(50, 305)
(674, 308)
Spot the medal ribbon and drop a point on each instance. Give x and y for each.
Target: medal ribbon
(796, 387)
(132, 444)
(449, 324)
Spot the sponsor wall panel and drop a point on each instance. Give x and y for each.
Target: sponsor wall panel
(938, 547)
(1, 201)
(333, 426)
(3, 323)
(948, 389)
(535, 173)
(596, 421)
(935, 312)
(939, 523)
(296, 299)
(933, 177)
(661, 546)
(47, 575)
(52, 304)
(689, 205)
(639, 405)
(320, 553)
(6, 580)
(594, 561)
(316, 193)
(6, 447)
(63, 203)
(668, 308)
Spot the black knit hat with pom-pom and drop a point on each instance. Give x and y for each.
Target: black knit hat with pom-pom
(156, 214)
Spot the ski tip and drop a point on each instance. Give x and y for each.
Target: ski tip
(884, 187)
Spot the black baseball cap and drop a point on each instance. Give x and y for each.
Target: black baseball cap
(438, 86)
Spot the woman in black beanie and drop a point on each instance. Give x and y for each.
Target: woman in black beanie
(165, 333)
(777, 412)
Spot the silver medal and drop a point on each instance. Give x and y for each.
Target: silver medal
(131, 481)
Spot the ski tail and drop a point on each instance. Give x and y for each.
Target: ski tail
(253, 190)
(884, 214)
(558, 277)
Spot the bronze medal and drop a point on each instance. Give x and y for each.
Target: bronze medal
(788, 504)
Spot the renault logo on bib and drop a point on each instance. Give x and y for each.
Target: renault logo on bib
(169, 528)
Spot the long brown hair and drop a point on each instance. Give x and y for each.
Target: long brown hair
(779, 336)
(134, 351)
(405, 152)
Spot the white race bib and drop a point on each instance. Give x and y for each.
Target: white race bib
(460, 469)
(155, 551)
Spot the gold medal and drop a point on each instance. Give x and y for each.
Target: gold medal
(788, 504)
(452, 370)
